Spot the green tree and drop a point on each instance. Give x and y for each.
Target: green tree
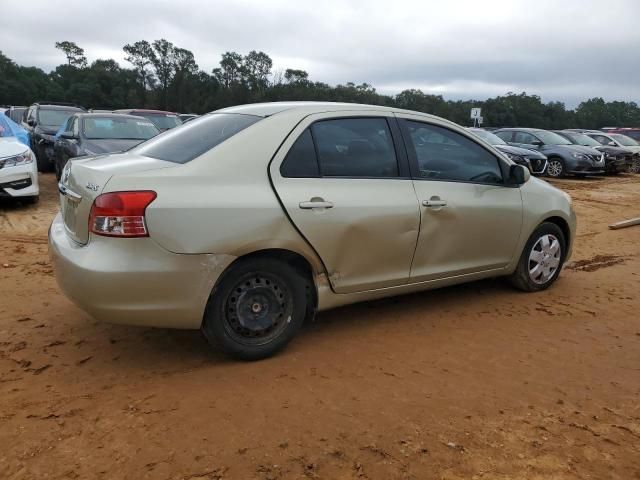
(75, 54)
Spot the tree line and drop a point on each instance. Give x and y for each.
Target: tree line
(165, 76)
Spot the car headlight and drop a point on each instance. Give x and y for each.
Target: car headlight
(579, 156)
(17, 160)
(515, 158)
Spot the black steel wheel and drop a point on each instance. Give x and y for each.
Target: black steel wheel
(256, 309)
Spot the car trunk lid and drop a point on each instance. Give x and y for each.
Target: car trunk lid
(84, 179)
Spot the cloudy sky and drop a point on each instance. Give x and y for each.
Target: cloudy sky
(566, 50)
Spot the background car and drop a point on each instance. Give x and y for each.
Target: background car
(18, 168)
(161, 119)
(535, 161)
(620, 141)
(616, 159)
(563, 157)
(99, 133)
(246, 221)
(633, 132)
(15, 113)
(42, 120)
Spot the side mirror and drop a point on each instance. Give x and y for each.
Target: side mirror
(519, 174)
(68, 135)
(612, 144)
(537, 143)
(31, 122)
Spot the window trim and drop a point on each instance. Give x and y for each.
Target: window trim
(413, 158)
(399, 148)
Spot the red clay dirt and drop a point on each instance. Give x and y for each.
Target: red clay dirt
(471, 382)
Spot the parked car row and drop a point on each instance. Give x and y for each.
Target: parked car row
(54, 140)
(566, 152)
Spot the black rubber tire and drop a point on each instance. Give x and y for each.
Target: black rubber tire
(635, 166)
(213, 325)
(520, 278)
(563, 172)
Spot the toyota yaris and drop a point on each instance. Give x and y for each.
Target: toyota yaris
(246, 221)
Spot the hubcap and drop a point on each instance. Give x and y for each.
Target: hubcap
(257, 309)
(544, 259)
(554, 169)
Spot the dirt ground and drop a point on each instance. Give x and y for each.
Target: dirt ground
(471, 382)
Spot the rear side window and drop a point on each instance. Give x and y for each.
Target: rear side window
(183, 144)
(355, 147)
(301, 161)
(443, 154)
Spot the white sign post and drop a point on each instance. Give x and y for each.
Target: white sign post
(475, 116)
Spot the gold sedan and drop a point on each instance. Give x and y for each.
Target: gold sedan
(246, 221)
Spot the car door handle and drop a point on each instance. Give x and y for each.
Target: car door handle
(315, 204)
(434, 203)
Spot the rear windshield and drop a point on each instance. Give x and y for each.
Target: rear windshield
(162, 121)
(196, 137)
(55, 117)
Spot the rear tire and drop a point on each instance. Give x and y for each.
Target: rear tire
(256, 309)
(541, 260)
(635, 166)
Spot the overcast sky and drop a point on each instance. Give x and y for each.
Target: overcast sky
(566, 50)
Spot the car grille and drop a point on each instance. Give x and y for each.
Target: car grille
(537, 164)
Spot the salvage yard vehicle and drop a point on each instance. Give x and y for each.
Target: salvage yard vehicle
(42, 120)
(15, 113)
(247, 220)
(18, 170)
(563, 157)
(535, 161)
(620, 141)
(617, 160)
(161, 119)
(99, 133)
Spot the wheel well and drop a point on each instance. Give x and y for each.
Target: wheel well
(299, 262)
(562, 225)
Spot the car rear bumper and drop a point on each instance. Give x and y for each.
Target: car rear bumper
(134, 281)
(19, 181)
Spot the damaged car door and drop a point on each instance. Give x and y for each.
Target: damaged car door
(346, 186)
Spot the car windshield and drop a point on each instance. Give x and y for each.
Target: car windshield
(489, 137)
(582, 139)
(196, 137)
(162, 121)
(96, 128)
(624, 140)
(15, 114)
(550, 138)
(54, 117)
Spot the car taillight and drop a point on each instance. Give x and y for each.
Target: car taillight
(121, 214)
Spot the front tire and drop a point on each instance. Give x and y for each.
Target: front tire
(555, 168)
(256, 309)
(634, 167)
(541, 259)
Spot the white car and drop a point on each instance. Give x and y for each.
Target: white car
(18, 171)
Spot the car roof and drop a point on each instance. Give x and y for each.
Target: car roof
(272, 108)
(59, 107)
(143, 110)
(108, 115)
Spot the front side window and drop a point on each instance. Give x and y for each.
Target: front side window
(601, 139)
(196, 137)
(524, 137)
(506, 136)
(443, 154)
(624, 140)
(355, 147)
